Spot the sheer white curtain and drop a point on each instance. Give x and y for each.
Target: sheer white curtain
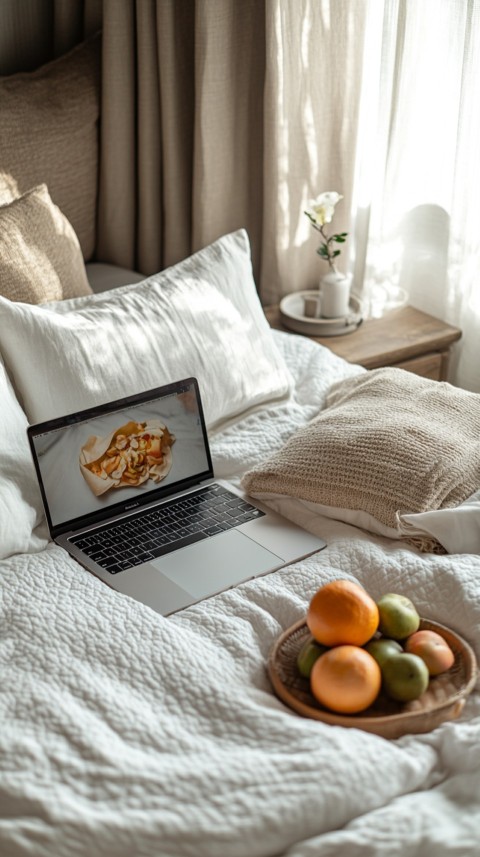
(313, 60)
(417, 177)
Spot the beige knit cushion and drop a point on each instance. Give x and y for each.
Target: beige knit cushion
(49, 134)
(40, 257)
(387, 442)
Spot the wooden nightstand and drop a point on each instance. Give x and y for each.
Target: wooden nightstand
(404, 337)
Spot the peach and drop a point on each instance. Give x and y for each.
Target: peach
(433, 649)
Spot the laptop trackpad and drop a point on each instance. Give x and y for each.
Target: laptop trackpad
(217, 563)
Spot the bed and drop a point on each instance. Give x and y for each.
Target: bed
(127, 733)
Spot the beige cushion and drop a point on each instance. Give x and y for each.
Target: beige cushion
(49, 134)
(40, 257)
(388, 442)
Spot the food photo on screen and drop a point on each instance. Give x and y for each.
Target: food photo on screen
(133, 454)
(90, 465)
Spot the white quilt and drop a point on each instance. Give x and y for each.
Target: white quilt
(124, 733)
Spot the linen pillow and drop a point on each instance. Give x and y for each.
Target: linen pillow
(49, 133)
(388, 442)
(40, 257)
(20, 503)
(201, 317)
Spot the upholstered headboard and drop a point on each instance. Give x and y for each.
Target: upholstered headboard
(49, 134)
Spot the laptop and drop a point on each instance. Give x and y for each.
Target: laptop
(129, 491)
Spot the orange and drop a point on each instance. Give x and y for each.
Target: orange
(341, 612)
(346, 679)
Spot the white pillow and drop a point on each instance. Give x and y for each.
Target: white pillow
(201, 317)
(20, 503)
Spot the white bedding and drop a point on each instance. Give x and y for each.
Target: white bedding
(124, 733)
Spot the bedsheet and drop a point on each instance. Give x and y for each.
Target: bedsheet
(125, 733)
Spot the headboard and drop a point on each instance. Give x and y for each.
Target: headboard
(49, 134)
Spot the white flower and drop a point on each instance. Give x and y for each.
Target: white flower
(322, 208)
(321, 211)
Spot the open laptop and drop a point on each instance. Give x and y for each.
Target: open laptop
(129, 491)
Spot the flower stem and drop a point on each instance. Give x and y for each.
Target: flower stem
(328, 241)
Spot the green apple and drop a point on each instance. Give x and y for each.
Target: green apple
(308, 654)
(398, 616)
(382, 649)
(405, 677)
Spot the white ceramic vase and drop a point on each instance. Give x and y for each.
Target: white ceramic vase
(335, 294)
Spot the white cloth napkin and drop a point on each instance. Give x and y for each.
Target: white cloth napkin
(457, 530)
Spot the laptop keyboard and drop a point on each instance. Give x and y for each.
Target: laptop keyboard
(173, 525)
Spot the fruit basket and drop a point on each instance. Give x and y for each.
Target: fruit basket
(443, 700)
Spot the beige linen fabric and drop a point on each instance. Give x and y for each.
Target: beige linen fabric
(49, 134)
(40, 257)
(32, 33)
(388, 442)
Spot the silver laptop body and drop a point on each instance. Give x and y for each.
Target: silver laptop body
(129, 491)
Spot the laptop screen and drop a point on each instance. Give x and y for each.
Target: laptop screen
(106, 460)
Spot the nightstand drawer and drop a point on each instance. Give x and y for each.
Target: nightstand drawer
(428, 365)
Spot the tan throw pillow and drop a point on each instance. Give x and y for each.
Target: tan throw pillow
(49, 134)
(40, 257)
(387, 442)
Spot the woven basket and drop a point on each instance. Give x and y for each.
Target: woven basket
(443, 700)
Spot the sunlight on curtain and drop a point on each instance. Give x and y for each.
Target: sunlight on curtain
(310, 113)
(417, 180)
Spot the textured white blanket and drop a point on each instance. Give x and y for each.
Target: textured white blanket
(125, 734)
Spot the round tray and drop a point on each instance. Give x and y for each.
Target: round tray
(291, 315)
(443, 700)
